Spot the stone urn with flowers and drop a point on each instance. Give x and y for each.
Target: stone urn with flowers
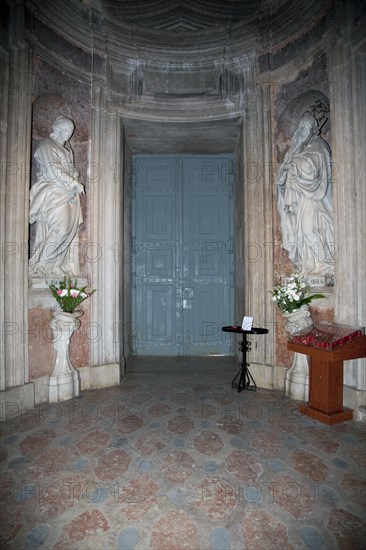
(65, 379)
(293, 299)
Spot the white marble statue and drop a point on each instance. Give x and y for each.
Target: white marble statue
(304, 201)
(55, 205)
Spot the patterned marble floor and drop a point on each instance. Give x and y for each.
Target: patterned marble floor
(175, 459)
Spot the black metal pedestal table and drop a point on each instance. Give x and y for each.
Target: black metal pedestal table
(243, 379)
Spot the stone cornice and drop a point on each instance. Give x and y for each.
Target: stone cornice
(177, 109)
(81, 36)
(150, 46)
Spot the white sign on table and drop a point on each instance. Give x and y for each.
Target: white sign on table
(247, 323)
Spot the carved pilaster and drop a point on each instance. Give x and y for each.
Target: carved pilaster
(257, 252)
(348, 111)
(348, 115)
(14, 181)
(106, 222)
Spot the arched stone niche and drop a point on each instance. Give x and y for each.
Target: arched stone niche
(46, 108)
(315, 103)
(307, 93)
(54, 94)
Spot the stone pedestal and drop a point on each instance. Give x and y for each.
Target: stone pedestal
(65, 380)
(297, 376)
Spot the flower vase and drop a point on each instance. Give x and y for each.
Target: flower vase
(297, 376)
(65, 380)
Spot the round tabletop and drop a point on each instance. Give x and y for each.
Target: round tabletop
(239, 330)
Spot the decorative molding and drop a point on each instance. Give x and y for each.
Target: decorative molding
(106, 229)
(14, 227)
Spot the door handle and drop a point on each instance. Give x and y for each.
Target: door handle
(187, 298)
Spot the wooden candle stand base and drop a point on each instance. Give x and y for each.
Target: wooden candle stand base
(326, 379)
(326, 418)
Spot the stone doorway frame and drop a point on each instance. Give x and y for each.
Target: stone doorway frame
(253, 210)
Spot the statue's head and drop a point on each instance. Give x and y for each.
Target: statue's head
(308, 127)
(309, 122)
(63, 128)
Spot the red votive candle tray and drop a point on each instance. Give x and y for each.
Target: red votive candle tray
(327, 336)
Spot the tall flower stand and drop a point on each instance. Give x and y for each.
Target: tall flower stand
(297, 376)
(65, 380)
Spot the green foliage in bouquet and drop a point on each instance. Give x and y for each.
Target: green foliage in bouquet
(67, 295)
(293, 294)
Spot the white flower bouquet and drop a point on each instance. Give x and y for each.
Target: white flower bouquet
(67, 294)
(293, 294)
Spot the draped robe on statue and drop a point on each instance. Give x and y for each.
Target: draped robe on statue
(304, 201)
(55, 206)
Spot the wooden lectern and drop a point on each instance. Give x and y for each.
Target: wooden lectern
(326, 379)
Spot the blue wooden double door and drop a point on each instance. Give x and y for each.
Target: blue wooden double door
(182, 219)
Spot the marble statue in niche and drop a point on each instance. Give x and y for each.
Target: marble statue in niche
(55, 205)
(304, 201)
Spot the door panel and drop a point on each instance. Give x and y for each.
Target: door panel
(206, 227)
(182, 220)
(159, 313)
(159, 210)
(155, 230)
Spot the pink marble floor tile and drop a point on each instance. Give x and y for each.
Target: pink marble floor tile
(92, 442)
(355, 488)
(244, 466)
(37, 440)
(175, 531)
(158, 410)
(217, 498)
(309, 465)
(292, 496)
(208, 443)
(112, 464)
(151, 442)
(50, 462)
(11, 523)
(177, 466)
(348, 529)
(90, 521)
(182, 398)
(180, 425)
(265, 443)
(230, 424)
(130, 424)
(262, 532)
(137, 497)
